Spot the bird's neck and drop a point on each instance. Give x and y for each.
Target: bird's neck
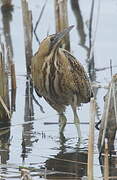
(42, 58)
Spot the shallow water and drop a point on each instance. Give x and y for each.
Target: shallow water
(34, 141)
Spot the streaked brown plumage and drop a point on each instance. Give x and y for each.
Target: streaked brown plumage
(59, 77)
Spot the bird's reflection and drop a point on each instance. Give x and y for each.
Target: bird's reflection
(69, 162)
(63, 141)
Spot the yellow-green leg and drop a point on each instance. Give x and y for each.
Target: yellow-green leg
(62, 122)
(76, 122)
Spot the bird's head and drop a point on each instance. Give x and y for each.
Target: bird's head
(52, 42)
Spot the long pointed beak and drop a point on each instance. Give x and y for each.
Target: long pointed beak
(59, 36)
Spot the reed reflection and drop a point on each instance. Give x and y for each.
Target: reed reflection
(27, 132)
(4, 144)
(112, 166)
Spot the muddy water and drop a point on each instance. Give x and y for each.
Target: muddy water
(34, 141)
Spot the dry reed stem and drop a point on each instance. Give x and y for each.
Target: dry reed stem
(91, 139)
(13, 77)
(6, 2)
(2, 76)
(115, 104)
(109, 118)
(27, 24)
(13, 86)
(106, 162)
(11, 66)
(61, 18)
(105, 118)
(4, 96)
(5, 107)
(7, 8)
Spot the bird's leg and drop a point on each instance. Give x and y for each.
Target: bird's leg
(76, 121)
(62, 122)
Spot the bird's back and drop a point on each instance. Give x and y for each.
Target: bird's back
(82, 86)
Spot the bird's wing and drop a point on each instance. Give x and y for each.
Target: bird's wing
(82, 85)
(34, 72)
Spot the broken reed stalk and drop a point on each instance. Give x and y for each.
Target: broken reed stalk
(106, 162)
(4, 96)
(27, 23)
(109, 119)
(61, 19)
(5, 108)
(91, 139)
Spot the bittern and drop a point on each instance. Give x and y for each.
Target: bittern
(60, 78)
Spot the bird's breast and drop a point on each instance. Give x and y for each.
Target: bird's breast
(51, 81)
